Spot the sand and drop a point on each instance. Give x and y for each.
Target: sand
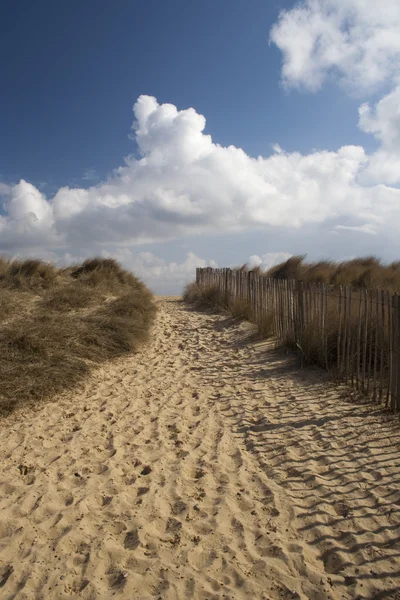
(207, 466)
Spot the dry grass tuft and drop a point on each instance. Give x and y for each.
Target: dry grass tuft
(265, 325)
(11, 303)
(289, 269)
(365, 272)
(212, 298)
(27, 274)
(57, 324)
(240, 309)
(71, 297)
(192, 293)
(104, 274)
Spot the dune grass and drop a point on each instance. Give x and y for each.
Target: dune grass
(364, 272)
(57, 324)
(367, 337)
(212, 298)
(200, 297)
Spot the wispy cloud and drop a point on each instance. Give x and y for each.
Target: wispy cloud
(90, 174)
(366, 228)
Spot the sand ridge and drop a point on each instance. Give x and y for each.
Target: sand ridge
(207, 466)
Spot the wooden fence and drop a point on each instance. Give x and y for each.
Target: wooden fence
(354, 333)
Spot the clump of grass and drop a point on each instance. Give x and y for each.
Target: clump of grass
(364, 272)
(212, 297)
(192, 293)
(68, 320)
(318, 272)
(265, 325)
(204, 297)
(4, 265)
(289, 269)
(71, 297)
(105, 273)
(12, 303)
(27, 274)
(240, 309)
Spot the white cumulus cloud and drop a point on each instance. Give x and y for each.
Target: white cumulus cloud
(184, 183)
(356, 41)
(383, 120)
(181, 183)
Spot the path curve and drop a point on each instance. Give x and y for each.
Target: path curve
(208, 466)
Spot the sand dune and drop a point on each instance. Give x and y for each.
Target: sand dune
(203, 467)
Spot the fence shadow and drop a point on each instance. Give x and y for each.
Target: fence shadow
(335, 457)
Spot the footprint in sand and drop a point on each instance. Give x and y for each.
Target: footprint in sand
(131, 540)
(178, 507)
(68, 500)
(173, 525)
(27, 474)
(5, 573)
(117, 580)
(198, 474)
(146, 470)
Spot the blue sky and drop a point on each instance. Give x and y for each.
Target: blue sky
(71, 73)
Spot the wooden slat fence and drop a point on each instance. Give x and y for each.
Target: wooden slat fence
(353, 333)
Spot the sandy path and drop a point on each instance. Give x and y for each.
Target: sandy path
(204, 467)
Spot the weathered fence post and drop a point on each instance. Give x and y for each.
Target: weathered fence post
(301, 315)
(395, 356)
(227, 273)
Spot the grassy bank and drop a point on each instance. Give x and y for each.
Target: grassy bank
(57, 324)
